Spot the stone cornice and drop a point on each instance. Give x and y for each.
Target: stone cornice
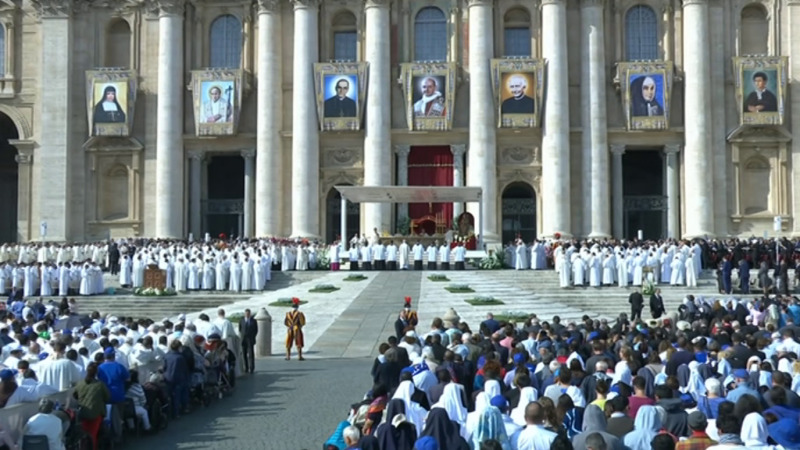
(169, 7)
(554, 2)
(305, 4)
(268, 6)
(793, 2)
(377, 3)
(53, 8)
(480, 2)
(694, 2)
(672, 148)
(591, 3)
(618, 149)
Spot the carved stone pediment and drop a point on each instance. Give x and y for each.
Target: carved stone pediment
(342, 157)
(532, 176)
(749, 133)
(352, 177)
(109, 144)
(520, 156)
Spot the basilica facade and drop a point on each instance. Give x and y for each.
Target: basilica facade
(164, 118)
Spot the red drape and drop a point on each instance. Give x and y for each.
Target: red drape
(430, 166)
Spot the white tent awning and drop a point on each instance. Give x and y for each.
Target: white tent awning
(410, 194)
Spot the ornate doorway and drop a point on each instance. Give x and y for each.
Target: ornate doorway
(519, 212)
(223, 212)
(9, 175)
(333, 208)
(644, 203)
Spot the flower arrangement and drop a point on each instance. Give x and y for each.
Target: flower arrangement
(324, 288)
(459, 288)
(323, 259)
(288, 302)
(154, 292)
(512, 316)
(648, 288)
(355, 277)
(491, 262)
(438, 277)
(484, 300)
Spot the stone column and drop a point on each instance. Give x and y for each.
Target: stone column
(196, 192)
(169, 131)
(793, 29)
(698, 127)
(482, 169)
(555, 140)
(458, 173)
(54, 155)
(617, 199)
(305, 131)
(24, 177)
(718, 143)
(402, 152)
(594, 77)
(249, 191)
(378, 136)
(269, 146)
(673, 189)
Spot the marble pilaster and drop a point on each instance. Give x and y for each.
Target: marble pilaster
(617, 199)
(24, 178)
(249, 192)
(458, 151)
(673, 189)
(377, 135)
(169, 133)
(719, 68)
(698, 161)
(196, 167)
(305, 133)
(269, 123)
(402, 152)
(794, 89)
(482, 169)
(555, 139)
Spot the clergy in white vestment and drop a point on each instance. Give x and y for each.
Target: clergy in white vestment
(45, 289)
(608, 270)
(235, 284)
(353, 257)
(223, 269)
(125, 278)
(418, 254)
(666, 268)
(638, 270)
(459, 256)
(193, 283)
(57, 370)
(391, 256)
(565, 272)
(138, 272)
(677, 272)
(444, 256)
(366, 257)
(558, 254)
(258, 276)
(652, 264)
(578, 270)
(522, 256)
(167, 266)
(403, 255)
(31, 280)
(208, 275)
(538, 256)
(595, 271)
(181, 281)
(86, 280)
(285, 262)
(432, 251)
(622, 271)
(334, 252)
(247, 274)
(691, 273)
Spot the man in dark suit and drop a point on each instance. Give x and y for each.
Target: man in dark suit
(657, 304)
(637, 303)
(761, 99)
(248, 329)
(519, 103)
(340, 105)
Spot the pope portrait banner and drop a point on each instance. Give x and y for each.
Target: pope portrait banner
(217, 100)
(760, 83)
(518, 86)
(646, 93)
(341, 90)
(430, 95)
(110, 101)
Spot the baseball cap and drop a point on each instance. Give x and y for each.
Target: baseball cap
(109, 351)
(7, 374)
(697, 421)
(741, 374)
(499, 402)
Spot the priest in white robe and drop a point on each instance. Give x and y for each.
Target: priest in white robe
(222, 268)
(622, 271)
(638, 270)
(522, 256)
(208, 275)
(247, 274)
(691, 272)
(125, 278)
(538, 256)
(609, 270)
(46, 289)
(595, 275)
(402, 255)
(677, 267)
(86, 280)
(236, 276)
(181, 280)
(578, 270)
(565, 272)
(138, 272)
(193, 283)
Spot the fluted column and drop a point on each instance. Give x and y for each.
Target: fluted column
(249, 191)
(617, 198)
(269, 122)
(169, 132)
(378, 136)
(402, 152)
(458, 173)
(594, 78)
(697, 99)
(305, 131)
(482, 169)
(196, 192)
(555, 141)
(673, 189)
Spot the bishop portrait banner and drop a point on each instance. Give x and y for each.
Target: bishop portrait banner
(217, 101)
(341, 90)
(430, 95)
(110, 101)
(760, 83)
(646, 94)
(518, 86)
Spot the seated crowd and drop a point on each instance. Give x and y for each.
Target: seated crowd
(719, 378)
(124, 372)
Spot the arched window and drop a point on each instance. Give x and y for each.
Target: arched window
(641, 34)
(517, 33)
(754, 30)
(226, 42)
(345, 37)
(2, 50)
(430, 35)
(118, 44)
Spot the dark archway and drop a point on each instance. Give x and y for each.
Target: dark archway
(519, 212)
(9, 175)
(224, 210)
(645, 205)
(333, 209)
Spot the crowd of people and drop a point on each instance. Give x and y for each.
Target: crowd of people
(47, 349)
(718, 374)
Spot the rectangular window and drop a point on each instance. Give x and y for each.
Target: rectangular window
(517, 42)
(430, 41)
(2, 50)
(345, 45)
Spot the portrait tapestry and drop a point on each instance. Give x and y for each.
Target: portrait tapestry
(341, 90)
(760, 83)
(430, 95)
(217, 100)
(110, 101)
(646, 92)
(518, 86)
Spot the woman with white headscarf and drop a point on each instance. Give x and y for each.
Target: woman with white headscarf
(695, 386)
(754, 433)
(414, 412)
(645, 428)
(490, 426)
(451, 402)
(526, 395)
(482, 401)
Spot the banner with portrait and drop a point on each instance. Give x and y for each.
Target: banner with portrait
(110, 101)
(518, 86)
(341, 90)
(760, 83)
(217, 100)
(430, 95)
(646, 93)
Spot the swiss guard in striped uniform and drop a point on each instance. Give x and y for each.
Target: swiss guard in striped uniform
(294, 322)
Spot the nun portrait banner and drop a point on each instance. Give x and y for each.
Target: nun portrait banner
(110, 101)
(430, 95)
(217, 101)
(341, 90)
(646, 89)
(760, 83)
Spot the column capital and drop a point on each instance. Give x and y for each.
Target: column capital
(554, 2)
(196, 155)
(671, 149)
(248, 153)
(377, 3)
(166, 8)
(618, 149)
(472, 3)
(268, 6)
(305, 4)
(592, 3)
(458, 150)
(694, 2)
(53, 8)
(23, 159)
(402, 150)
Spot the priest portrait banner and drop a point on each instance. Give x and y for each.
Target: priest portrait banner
(760, 83)
(430, 92)
(217, 96)
(517, 86)
(341, 93)
(110, 101)
(647, 87)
